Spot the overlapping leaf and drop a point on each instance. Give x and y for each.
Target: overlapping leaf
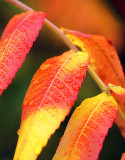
(87, 128)
(51, 95)
(16, 41)
(103, 57)
(105, 62)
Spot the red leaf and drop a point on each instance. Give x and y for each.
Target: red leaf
(87, 128)
(105, 62)
(16, 41)
(51, 95)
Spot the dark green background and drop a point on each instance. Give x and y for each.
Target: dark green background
(11, 99)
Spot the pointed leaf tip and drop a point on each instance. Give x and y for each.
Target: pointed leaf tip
(51, 95)
(87, 128)
(16, 42)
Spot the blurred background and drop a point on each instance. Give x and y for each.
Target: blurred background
(102, 17)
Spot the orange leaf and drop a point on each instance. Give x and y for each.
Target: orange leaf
(103, 57)
(87, 128)
(105, 62)
(117, 89)
(16, 42)
(123, 156)
(51, 95)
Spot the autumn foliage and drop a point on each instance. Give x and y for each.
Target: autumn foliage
(84, 139)
(54, 89)
(16, 42)
(51, 95)
(104, 61)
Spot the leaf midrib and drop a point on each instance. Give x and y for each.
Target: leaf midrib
(75, 146)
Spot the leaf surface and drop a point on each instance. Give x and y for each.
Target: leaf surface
(87, 128)
(105, 62)
(103, 57)
(51, 95)
(16, 41)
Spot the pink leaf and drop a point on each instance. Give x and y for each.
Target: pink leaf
(16, 41)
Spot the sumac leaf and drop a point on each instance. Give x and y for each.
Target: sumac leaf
(16, 41)
(103, 57)
(105, 62)
(51, 95)
(87, 128)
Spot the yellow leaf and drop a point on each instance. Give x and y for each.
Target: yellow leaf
(87, 128)
(51, 95)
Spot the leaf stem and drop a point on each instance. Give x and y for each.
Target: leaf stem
(57, 31)
(60, 34)
(49, 24)
(99, 82)
(19, 5)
